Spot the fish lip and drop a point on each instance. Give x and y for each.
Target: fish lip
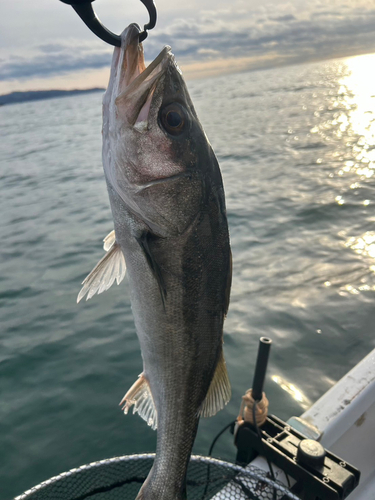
(134, 84)
(157, 66)
(138, 90)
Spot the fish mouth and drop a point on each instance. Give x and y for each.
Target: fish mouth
(136, 83)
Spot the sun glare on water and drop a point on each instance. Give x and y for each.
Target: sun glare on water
(293, 391)
(359, 88)
(360, 91)
(351, 131)
(352, 125)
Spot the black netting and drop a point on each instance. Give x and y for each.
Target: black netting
(120, 478)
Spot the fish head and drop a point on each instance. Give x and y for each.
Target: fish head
(155, 152)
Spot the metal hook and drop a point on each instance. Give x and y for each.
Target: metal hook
(86, 13)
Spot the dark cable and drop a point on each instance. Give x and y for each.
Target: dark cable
(210, 453)
(217, 437)
(272, 474)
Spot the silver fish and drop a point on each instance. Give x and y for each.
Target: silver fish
(167, 200)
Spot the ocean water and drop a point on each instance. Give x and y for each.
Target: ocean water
(296, 147)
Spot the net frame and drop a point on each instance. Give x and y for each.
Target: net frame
(239, 475)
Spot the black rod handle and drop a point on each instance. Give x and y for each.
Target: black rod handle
(261, 367)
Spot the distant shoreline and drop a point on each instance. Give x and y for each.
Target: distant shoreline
(38, 95)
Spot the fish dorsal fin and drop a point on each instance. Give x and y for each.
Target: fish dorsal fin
(219, 392)
(110, 268)
(140, 396)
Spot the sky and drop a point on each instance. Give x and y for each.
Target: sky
(44, 44)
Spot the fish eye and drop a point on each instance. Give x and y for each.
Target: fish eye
(173, 118)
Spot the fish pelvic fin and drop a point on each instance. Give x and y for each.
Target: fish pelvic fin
(140, 397)
(110, 268)
(219, 392)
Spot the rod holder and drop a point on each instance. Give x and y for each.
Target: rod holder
(261, 368)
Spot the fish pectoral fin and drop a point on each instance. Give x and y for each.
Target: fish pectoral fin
(140, 396)
(219, 392)
(110, 268)
(144, 243)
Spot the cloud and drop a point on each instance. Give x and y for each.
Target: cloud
(275, 34)
(288, 17)
(54, 59)
(330, 33)
(52, 47)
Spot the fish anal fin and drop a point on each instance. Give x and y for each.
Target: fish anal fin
(140, 397)
(219, 392)
(110, 268)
